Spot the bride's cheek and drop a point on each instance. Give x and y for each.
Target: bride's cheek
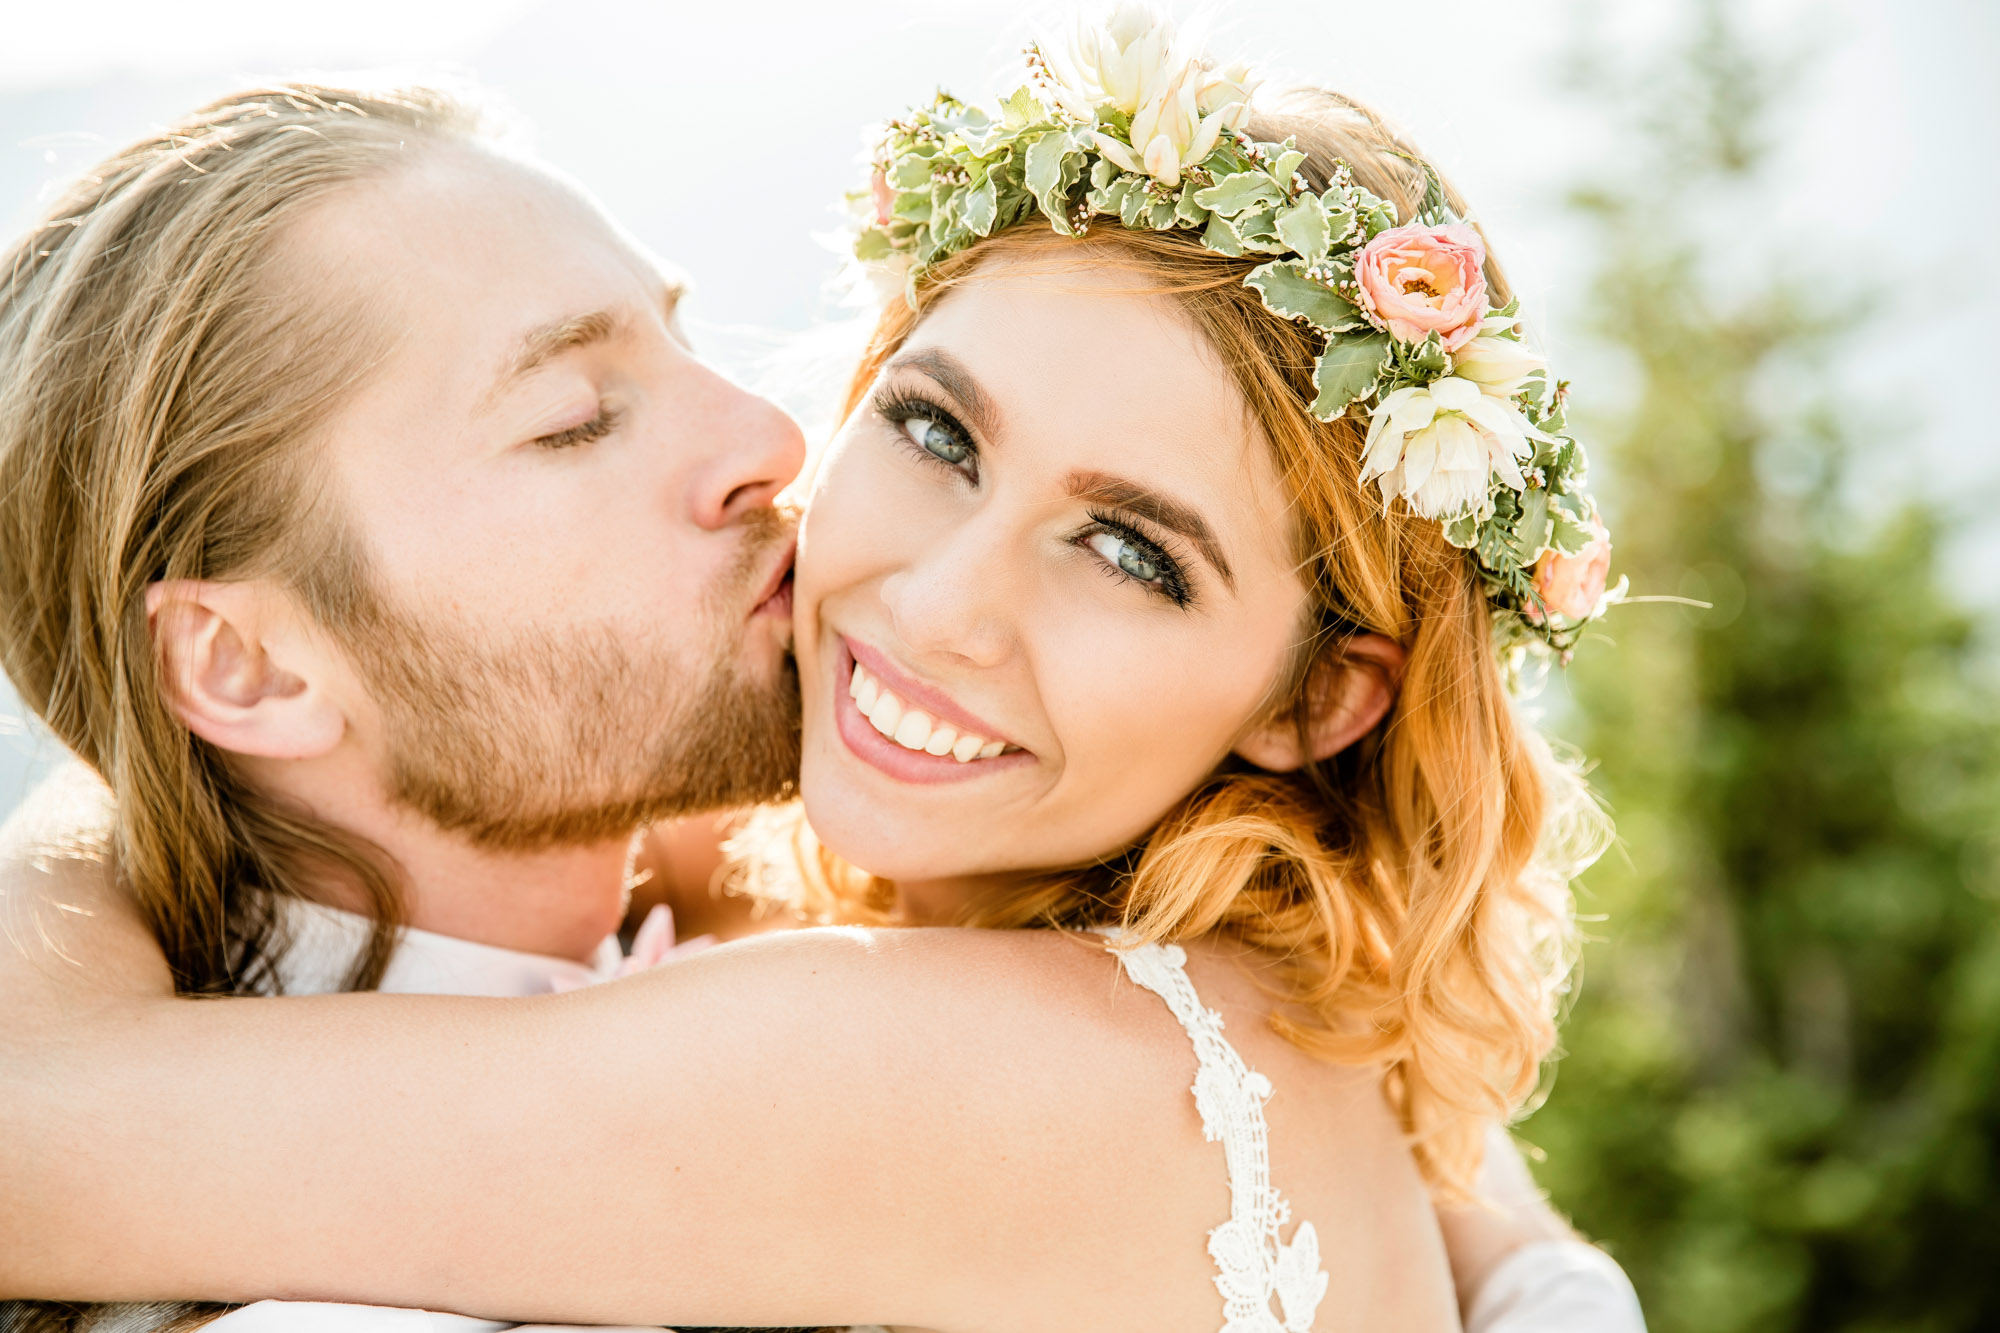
(834, 536)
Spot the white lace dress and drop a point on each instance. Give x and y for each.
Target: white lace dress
(1272, 1285)
(1268, 1284)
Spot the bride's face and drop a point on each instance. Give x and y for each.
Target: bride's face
(1052, 540)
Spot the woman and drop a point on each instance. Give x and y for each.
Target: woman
(1111, 617)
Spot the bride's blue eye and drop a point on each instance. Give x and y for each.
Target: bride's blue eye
(932, 432)
(1127, 554)
(939, 438)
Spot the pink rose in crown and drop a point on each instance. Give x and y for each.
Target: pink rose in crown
(1417, 281)
(885, 199)
(1572, 585)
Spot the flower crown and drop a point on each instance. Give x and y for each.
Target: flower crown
(1464, 424)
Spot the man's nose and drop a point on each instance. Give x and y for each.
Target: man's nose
(754, 451)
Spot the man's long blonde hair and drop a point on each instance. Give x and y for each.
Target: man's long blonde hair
(163, 367)
(1412, 892)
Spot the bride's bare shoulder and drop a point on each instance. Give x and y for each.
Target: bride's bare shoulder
(1063, 991)
(1075, 1083)
(1044, 983)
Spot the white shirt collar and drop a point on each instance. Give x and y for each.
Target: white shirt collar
(326, 940)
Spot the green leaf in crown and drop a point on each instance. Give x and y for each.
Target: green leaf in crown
(1128, 122)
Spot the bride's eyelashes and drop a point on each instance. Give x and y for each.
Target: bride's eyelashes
(583, 432)
(1131, 556)
(1124, 550)
(932, 433)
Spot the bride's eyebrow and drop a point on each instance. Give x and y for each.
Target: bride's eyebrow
(951, 375)
(1169, 513)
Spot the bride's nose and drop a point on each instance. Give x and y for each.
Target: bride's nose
(952, 601)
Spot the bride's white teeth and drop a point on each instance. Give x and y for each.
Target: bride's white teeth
(913, 728)
(887, 712)
(914, 731)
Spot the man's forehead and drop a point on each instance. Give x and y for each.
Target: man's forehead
(459, 220)
(463, 255)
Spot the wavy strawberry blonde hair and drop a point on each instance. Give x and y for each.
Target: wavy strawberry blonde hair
(1412, 891)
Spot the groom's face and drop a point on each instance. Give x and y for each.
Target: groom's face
(574, 600)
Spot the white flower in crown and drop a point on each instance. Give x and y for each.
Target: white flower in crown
(1119, 62)
(1180, 106)
(886, 278)
(1500, 366)
(1180, 126)
(1440, 445)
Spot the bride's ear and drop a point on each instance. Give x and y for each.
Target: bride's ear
(1347, 692)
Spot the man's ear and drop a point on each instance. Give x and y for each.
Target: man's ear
(1347, 692)
(240, 671)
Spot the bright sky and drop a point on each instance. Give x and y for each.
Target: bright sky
(720, 134)
(52, 46)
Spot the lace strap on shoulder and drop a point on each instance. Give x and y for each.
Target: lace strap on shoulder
(1253, 1263)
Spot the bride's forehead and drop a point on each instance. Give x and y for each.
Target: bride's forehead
(1094, 340)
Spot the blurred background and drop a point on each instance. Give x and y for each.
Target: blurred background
(1758, 236)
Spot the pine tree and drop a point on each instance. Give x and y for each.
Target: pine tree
(1781, 1102)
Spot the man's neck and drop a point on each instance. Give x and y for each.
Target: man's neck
(562, 901)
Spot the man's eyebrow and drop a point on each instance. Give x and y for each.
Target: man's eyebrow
(543, 344)
(952, 376)
(1103, 488)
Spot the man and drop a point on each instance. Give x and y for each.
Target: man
(458, 565)
(368, 527)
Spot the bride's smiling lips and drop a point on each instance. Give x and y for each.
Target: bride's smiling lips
(947, 725)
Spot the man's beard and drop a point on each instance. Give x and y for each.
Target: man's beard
(559, 738)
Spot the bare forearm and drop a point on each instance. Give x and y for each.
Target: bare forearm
(535, 1160)
(290, 1178)
(1518, 1264)
(158, 1153)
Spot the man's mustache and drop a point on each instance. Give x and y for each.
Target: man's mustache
(765, 530)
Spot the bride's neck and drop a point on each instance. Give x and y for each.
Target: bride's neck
(948, 902)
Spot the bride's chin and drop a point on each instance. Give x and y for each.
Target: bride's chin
(873, 841)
